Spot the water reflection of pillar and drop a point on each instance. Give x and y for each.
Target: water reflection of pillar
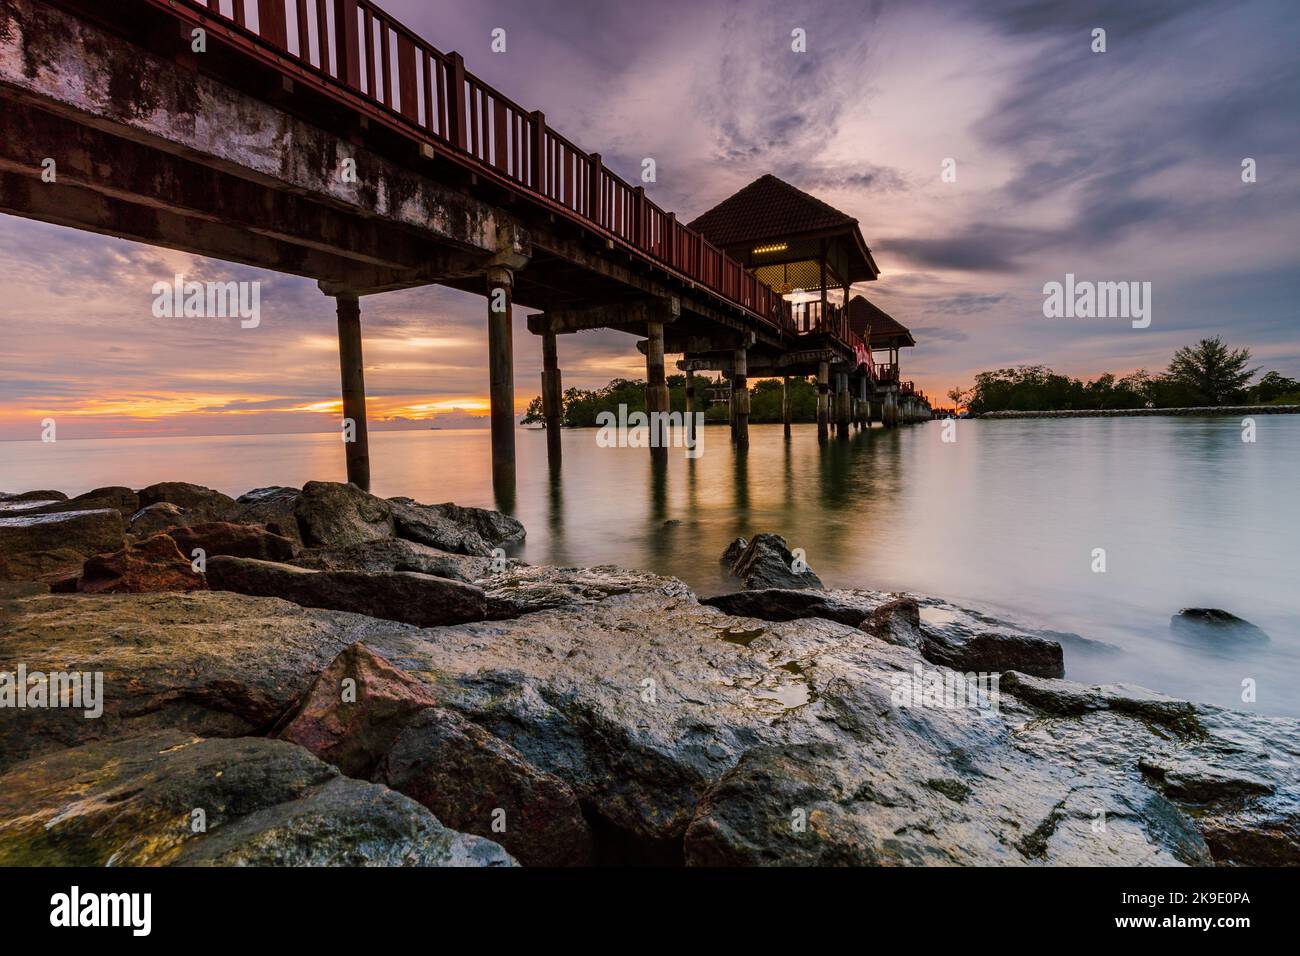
(555, 517)
(740, 481)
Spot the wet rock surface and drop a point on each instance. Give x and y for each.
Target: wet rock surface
(154, 518)
(1212, 625)
(781, 604)
(473, 781)
(333, 515)
(354, 711)
(522, 589)
(406, 596)
(204, 504)
(49, 546)
(396, 554)
(272, 507)
(768, 562)
(174, 799)
(210, 663)
(154, 564)
(236, 540)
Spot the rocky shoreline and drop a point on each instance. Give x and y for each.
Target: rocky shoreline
(321, 676)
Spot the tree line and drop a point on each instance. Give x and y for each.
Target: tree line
(1201, 375)
(581, 406)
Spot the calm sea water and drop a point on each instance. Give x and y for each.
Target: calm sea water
(1005, 519)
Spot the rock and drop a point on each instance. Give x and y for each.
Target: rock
(203, 503)
(396, 554)
(897, 622)
(781, 604)
(1066, 698)
(333, 515)
(120, 499)
(30, 500)
(733, 552)
(52, 546)
(263, 803)
(1213, 624)
(430, 525)
(522, 589)
(273, 507)
(210, 663)
(964, 640)
(353, 725)
(767, 562)
(420, 599)
(157, 517)
(811, 701)
(236, 540)
(994, 652)
(154, 564)
(469, 778)
(495, 528)
(689, 735)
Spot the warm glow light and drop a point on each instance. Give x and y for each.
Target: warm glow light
(774, 247)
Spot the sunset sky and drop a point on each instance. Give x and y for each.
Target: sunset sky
(1124, 165)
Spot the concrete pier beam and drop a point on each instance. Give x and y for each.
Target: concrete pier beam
(552, 397)
(823, 400)
(501, 378)
(356, 443)
(740, 397)
(656, 392)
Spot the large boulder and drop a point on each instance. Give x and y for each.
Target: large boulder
(431, 525)
(154, 564)
(963, 648)
(236, 540)
(160, 516)
(476, 783)
(272, 507)
(768, 562)
(52, 546)
(210, 663)
(333, 515)
(354, 711)
(497, 529)
(414, 598)
(396, 554)
(1216, 627)
(204, 504)
(172, 799)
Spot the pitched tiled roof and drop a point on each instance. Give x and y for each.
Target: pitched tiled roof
(864, 314)
(767, 208)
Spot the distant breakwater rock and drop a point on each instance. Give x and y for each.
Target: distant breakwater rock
(1148, 412)
(592, 715)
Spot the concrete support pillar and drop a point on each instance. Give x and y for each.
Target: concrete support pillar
(656, 391)
(890, 412)
(842, 405)
(740, 397)
(356, 443)
(690, 393)
(552, 396)
(823, 400)
(786, 415)
(501, 377)
(864, 407)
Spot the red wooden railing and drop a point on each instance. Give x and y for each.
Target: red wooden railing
(356, 45)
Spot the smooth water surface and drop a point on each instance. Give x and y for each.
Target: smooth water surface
(1004, 519)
